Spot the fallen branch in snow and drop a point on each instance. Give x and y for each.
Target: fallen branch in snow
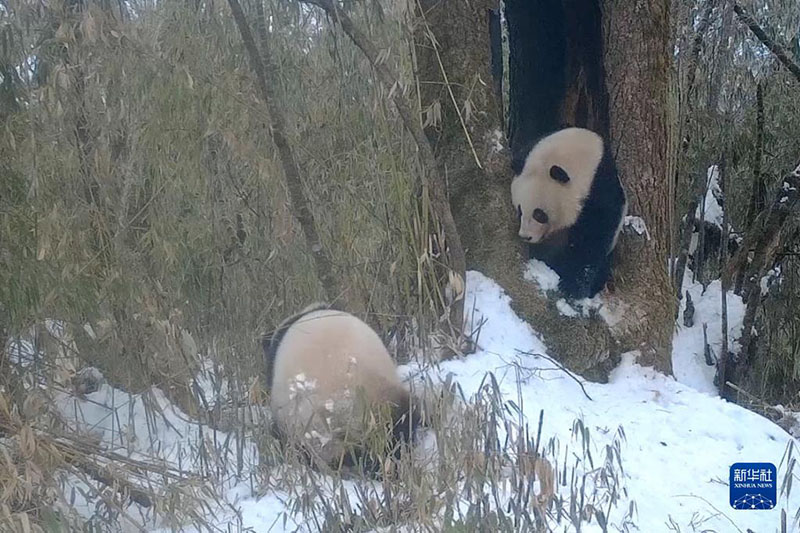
(104, 476)
(707, 353)
(85, 456)
(561, 367)
(774, 47)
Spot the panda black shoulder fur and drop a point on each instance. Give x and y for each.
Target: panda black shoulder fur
(571, 204)
(331, 381)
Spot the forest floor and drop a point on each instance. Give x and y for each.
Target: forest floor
(672, 440)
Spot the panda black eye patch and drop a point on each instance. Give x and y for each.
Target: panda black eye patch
(519, 211)
(559, 174)
(540, 216)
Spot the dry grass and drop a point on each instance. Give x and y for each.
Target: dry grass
(142, 206)
(479, 467)
(141, 199)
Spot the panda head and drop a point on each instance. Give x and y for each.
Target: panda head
(549, 191)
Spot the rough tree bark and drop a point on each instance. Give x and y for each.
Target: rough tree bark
(564, 36)
(638, 63)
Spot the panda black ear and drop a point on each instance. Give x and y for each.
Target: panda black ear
(559, 174)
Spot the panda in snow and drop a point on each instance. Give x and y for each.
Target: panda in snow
(335, 391)
(570, 204)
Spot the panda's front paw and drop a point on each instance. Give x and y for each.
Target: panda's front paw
(573, 290)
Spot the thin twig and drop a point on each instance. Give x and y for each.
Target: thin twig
(561, 367)
(720, 513)
(435, 46)
(722, 360)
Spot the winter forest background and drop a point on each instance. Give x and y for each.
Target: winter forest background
(178, 177)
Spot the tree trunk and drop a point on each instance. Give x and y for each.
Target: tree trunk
(557, 77)
(758, 194)
(638, 65)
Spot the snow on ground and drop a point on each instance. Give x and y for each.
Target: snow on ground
(542, 274)
(680, 439)
(611, 310)
(688, 360)
(680, 442)
(148, 427)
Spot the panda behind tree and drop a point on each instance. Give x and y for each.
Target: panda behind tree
(570, 204)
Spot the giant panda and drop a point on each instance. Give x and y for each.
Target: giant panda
(335, 391)
(570, 205)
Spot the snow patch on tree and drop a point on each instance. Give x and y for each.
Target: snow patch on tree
(637, 224)
(710, 209)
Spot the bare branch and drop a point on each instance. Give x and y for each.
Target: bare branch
(432, 180)
(774, 47)
(263, 69)
(762, 240)
(722, 360)
(758, 194)
(687, 227)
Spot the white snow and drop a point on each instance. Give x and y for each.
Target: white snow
(637, 224)
(713, 211)
(565, 309)
(610, 309)
(496, 141)
(772, 277)
(543, 275)
(680, 438)
(688, 360)
(680, 441)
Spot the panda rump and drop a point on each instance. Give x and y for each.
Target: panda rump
(334, 388)
(570, 205)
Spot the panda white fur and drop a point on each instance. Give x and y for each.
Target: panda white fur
(571, 204)
(334, 387)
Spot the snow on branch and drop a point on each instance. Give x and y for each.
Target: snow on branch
(754, 258)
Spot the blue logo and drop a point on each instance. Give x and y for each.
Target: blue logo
(753, 486)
